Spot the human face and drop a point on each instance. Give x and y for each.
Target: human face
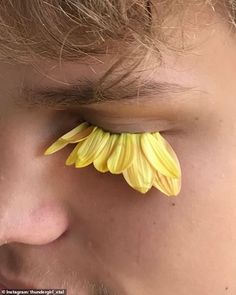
(61, 226)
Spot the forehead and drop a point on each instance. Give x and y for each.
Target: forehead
(73, 30)
(175, 73)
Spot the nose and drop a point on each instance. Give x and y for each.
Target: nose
(35, 222)
(32, 223)
(32, 210)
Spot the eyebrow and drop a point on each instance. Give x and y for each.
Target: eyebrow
(84, 92)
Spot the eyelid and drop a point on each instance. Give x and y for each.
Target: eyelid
(137, 125)
(118, 125)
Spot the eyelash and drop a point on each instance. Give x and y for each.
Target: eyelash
(145, 160)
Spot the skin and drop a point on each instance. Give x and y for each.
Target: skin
(61, 224)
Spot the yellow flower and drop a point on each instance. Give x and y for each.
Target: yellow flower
(144, 159)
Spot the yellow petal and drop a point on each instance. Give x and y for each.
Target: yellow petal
(140, 174)
(82, 135)
(56, 146)
(175, 185)
(91, 147)
(73, 155)
(169, 148)
(100, 163)
(158, 156)
(169, 186)
(122, 155)
(83, 129)
(76, 130)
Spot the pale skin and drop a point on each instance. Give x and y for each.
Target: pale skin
(59, 224)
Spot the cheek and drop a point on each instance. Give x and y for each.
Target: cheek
(149, 232)
(86, 185)
(209, 164)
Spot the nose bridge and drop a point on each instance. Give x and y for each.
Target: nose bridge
(29, 212)
(15, 152)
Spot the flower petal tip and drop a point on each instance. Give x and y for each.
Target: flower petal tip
(47, 152)
(142, 190)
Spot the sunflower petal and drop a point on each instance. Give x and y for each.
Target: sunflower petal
(169, 186)
(140, 174)
(122, 155)
(61, 142)
(100, 163)
(82, 135)
(169, 149)
(76, 130)
(56, 146)
(91, 147)
(73, 155)
(158, 156)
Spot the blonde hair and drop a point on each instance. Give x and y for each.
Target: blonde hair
(71, 30)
